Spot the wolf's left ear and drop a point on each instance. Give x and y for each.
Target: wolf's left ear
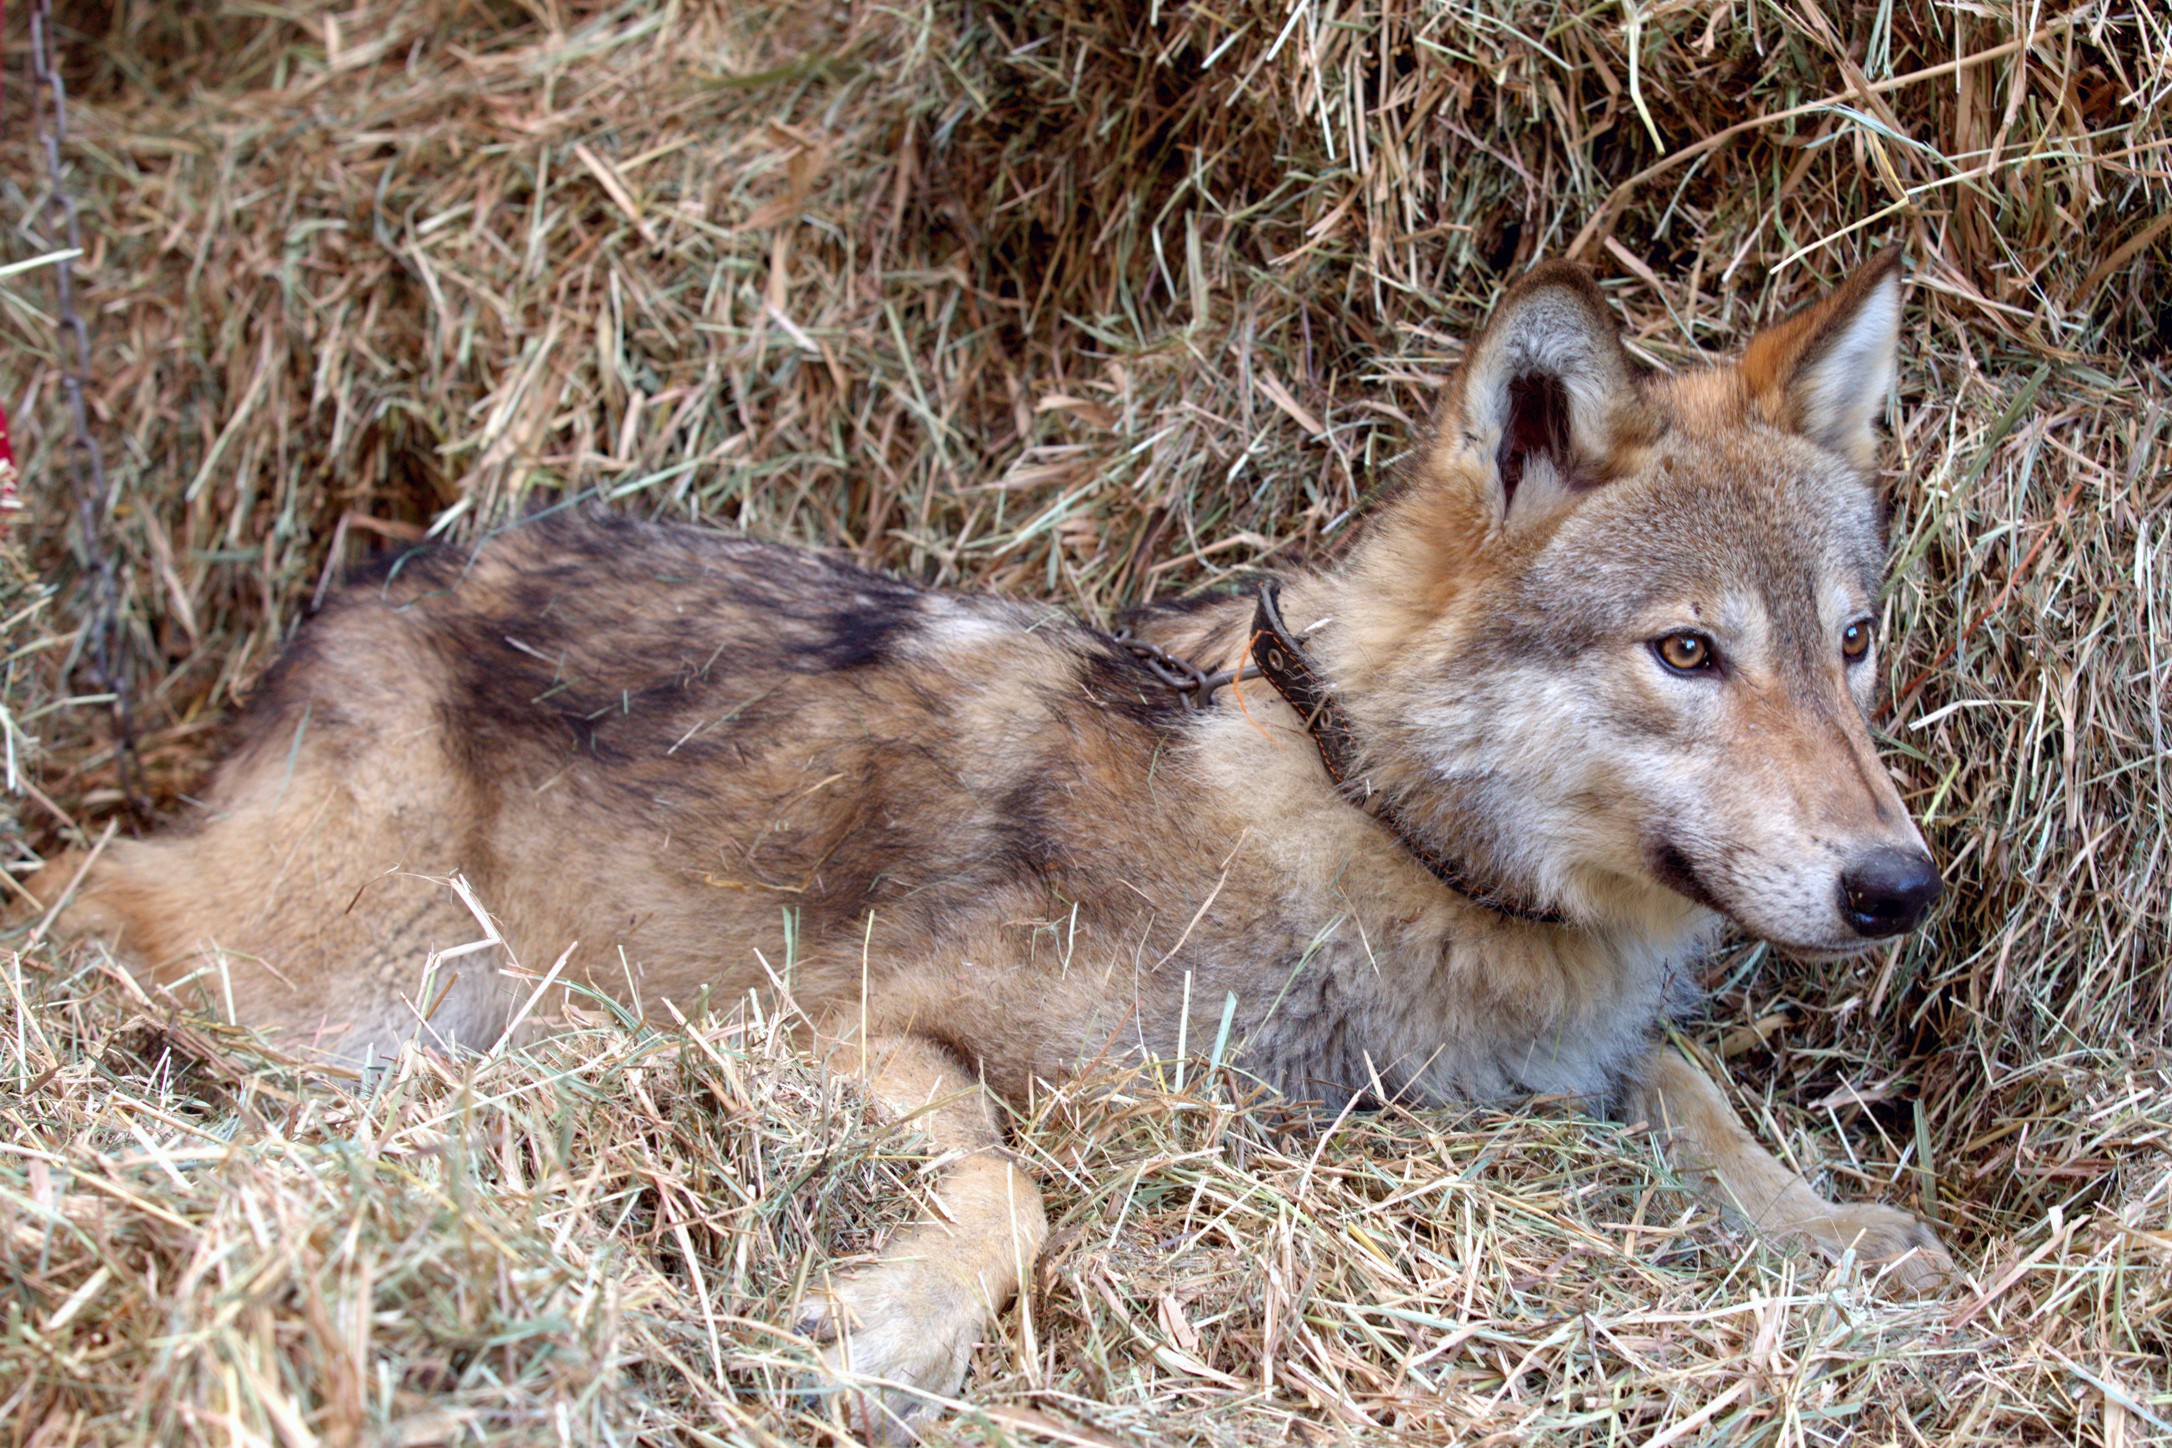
(1826, 371)
(1545, 396)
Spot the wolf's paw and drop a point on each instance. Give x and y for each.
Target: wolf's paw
(897, 1337)
(1890, 1241)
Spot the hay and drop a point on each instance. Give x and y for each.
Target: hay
(1101, 303)
(217, 1246)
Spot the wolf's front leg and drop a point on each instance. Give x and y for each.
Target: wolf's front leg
(1709, 1144)
(901, 1329)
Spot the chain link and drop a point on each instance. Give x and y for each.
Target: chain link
(1194, 687)
(101, 646)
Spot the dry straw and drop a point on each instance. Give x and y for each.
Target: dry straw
(1100, 302)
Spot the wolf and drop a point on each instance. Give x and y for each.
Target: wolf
(1453, 820)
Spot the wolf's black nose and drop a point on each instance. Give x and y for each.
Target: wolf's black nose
(1887, 892)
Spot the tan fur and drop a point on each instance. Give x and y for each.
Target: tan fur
(1711, 1146)
(1783, 372)
(979, 845)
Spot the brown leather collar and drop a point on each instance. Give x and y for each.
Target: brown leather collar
(1283, 664)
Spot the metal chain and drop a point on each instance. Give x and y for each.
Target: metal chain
(1194, 687)
(101, 623)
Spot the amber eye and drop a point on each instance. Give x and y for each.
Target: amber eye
(1685, 652)
(1855, 641)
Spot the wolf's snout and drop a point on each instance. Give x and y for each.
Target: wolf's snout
(1888, 892)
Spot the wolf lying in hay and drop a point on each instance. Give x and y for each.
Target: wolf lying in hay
(1590, 683)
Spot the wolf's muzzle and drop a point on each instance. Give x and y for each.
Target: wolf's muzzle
(1888, 892)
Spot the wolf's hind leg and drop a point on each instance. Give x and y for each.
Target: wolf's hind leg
(903, 1327)
(1709, 1144)
(300, 931)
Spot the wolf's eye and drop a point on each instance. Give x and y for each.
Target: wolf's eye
(1855, 641)
(1685, 652)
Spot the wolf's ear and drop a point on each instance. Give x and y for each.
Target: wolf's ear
(1826, 371)
(1546, 394)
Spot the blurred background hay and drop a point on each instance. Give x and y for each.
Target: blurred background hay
(1098, 302)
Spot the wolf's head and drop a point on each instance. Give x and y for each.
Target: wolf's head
(1617, 639)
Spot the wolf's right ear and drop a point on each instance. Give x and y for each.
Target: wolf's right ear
(1546, 396)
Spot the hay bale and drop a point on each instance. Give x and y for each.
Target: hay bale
(1102, 303)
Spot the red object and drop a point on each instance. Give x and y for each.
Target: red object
(8, 501)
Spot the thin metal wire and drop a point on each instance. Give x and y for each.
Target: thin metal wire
(100, 649)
